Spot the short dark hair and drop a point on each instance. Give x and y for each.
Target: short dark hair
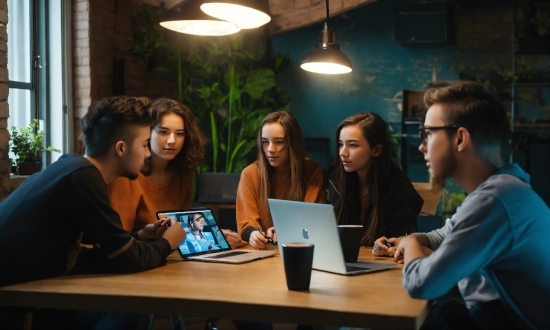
(471, 105)
(108, 121)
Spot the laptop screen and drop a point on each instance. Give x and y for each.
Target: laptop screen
(203, 234)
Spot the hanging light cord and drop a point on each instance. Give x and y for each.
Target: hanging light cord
(328, 14)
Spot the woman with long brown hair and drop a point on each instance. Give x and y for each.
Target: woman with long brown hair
(370, 190)
(280, 171)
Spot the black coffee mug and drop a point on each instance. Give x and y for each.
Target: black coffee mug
(298, 259)
(350, 239)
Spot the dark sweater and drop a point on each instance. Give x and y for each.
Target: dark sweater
(42, 220)
(402, 204)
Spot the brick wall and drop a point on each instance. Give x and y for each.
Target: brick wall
(102, 29)
(289, 15)
(110, 30)
(81, 71)
(5, 165)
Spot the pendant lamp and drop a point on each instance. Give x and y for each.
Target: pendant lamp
(246, 14)
(326, 57)
(187, 17)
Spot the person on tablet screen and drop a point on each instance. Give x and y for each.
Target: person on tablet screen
(197, 241)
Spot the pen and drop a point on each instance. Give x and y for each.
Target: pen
(269, 238)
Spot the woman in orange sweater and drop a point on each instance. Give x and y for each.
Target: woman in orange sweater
(166, 181)
(281, 171)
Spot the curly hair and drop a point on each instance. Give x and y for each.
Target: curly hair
(193, 152)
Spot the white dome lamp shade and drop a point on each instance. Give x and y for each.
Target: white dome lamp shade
(246, 14)
(187, 17)
(326, 57)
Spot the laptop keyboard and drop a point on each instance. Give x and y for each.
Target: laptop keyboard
(228, 254)
(354, 268)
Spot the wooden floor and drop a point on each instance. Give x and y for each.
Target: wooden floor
(221, 324)
(226, 324)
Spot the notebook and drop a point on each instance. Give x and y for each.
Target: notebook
(300, 222)
(205, 241)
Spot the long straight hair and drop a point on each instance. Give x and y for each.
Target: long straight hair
(294, 142)
(375, 131)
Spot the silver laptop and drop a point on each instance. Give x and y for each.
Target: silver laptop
(300, 222)
(205, 241)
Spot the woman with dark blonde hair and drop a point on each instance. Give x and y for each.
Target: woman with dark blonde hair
(166, 181)
(370, 190)
(280, 171)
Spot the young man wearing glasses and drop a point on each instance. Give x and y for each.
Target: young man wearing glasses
(499, 233)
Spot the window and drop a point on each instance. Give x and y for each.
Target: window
(37, 62)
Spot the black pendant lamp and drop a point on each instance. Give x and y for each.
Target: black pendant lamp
(187, 17)
(326, 57)
(246, 14)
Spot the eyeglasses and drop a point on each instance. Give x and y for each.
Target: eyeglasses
(423, 131)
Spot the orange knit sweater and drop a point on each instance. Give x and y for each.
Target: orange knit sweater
(248, 212)
(137, 201)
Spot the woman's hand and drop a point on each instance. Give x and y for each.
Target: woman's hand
(271, 233)
(385, 247)
(257, 240)
(234, 240)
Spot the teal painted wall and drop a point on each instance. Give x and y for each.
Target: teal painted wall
(381, 69)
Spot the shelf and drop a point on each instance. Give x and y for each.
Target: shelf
(532, 125)
(533, 84)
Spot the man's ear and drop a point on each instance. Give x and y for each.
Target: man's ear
(462, 138)
(377, 150)
(120, 148)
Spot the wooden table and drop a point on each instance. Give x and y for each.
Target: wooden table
(254, 291)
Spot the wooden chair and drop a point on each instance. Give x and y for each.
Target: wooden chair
(430, 193)
(218, 192)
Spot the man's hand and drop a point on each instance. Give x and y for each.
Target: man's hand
(174, 234)
(411, 247)
(385, 246)
(234, 240)
(153, 230)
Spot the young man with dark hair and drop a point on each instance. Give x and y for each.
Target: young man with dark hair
(499, 233)
(42, 221)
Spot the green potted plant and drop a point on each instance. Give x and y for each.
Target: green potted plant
(27, 145)
(229, 85)
(231, 89)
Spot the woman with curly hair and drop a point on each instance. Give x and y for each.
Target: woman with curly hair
(166, 180)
